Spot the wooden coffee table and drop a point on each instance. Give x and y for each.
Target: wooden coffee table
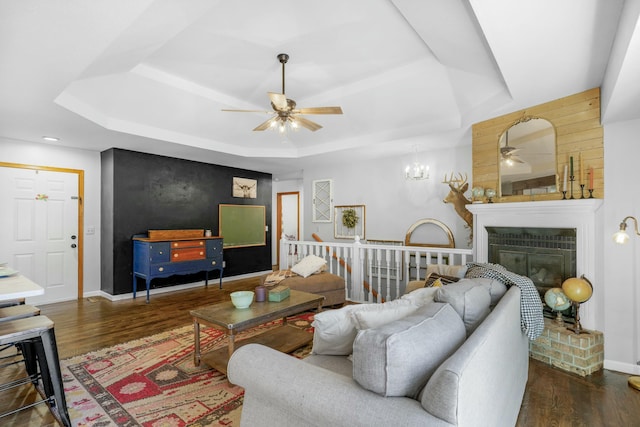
(231, 320)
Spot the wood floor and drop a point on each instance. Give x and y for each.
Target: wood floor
(553, 397)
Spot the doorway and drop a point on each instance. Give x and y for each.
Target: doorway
(288, 218)
(41, 235)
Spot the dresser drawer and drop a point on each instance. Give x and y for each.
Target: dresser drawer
(159, 252)
(187, 244)
(214, 248)
(187, 254)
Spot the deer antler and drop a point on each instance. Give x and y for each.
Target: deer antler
(455, 182)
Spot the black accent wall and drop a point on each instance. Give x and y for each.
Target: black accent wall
(145, 191)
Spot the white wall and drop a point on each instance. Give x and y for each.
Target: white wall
(621, 275)
(22, 152)
(392, 203)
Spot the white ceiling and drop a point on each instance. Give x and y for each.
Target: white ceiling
(153, 75)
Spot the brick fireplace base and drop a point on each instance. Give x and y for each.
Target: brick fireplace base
(579, 354)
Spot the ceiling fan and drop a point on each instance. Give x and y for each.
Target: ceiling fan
(285, 113)
(507, 152)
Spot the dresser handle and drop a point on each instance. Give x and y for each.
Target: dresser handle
(201, 243)
(175, 255)
(160, 252)
(175, 244)
(201, 253)
(161, 269)
(213, 263)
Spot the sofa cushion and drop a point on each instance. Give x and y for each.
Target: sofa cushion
(335, 330)
(398, 358)
(309, 265)
(471, 300)
(496, 288)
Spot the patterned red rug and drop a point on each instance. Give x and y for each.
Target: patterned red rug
(153, 381)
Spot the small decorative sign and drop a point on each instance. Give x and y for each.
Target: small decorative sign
(42, 197)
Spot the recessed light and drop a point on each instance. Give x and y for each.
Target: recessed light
(51, 138)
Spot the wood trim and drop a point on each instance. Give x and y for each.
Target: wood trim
(576, 119)
(279, 219)
(80, 174)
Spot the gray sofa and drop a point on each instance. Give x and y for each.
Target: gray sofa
(480, 384)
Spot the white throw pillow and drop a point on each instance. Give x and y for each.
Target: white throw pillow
(368, 316)
(421, 296)
(334, 332)
(309, 265)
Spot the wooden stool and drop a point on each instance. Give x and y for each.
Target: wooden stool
(37, 337)
(10, 302)
(18, 312)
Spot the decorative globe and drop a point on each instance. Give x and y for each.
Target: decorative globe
(556, 299)
(577, 289)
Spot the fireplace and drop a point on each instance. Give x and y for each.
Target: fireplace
(546, 255)
(581, 215)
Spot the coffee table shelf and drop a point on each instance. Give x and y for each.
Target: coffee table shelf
(226, 317)
(285, 339)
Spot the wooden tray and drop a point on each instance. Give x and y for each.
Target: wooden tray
(175, 234)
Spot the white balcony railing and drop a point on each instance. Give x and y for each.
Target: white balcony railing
(372, 272)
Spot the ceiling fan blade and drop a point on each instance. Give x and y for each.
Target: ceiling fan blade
(247, 111)
(312, 126)
(319, 110)
(279, 100)
(265, 125)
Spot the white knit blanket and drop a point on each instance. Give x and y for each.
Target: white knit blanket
(531, 318)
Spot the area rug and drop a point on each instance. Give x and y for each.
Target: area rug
(153, 382)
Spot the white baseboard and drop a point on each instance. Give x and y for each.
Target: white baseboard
(627, 368)
(143, 293)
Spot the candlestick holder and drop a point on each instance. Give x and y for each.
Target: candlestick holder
(571, 179)
(591, 193)
(582, 191)
(564, 195)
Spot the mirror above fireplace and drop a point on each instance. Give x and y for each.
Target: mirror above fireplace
(575, 121)
(527, 158)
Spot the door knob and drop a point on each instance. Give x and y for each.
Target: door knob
(73, 245)
(73, 237)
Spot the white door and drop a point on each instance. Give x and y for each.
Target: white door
(39, 229)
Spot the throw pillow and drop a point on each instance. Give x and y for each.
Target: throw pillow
(309, 265)
(496, 288)
(373, 315)
(444, 280)
(470, 300)
(421, 296)
(334, 332)
(398, 358)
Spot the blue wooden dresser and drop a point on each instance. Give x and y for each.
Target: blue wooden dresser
(168, 254)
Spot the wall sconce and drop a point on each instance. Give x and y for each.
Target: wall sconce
(621, 237)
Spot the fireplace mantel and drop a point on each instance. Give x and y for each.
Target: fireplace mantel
(581, 214)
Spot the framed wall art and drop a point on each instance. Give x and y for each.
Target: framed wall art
(349, 222)
(245, 188)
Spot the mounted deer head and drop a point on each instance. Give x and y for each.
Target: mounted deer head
(456, 196)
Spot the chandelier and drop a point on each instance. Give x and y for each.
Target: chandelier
(416, 171)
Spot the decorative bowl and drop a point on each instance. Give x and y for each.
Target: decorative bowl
(242, 299)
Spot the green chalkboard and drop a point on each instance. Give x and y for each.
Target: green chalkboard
(242, 225)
